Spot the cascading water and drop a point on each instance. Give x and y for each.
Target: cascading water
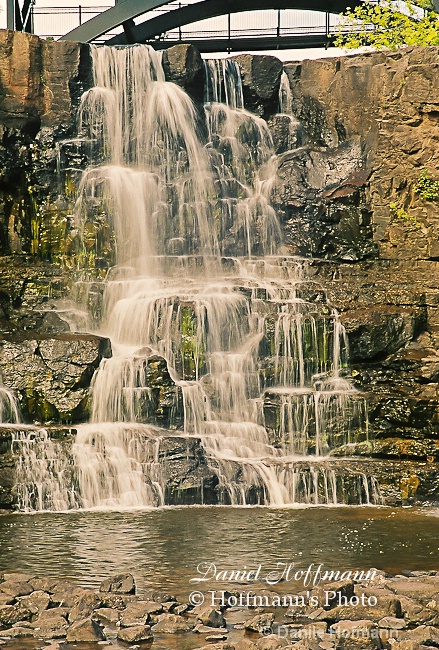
(201, 280)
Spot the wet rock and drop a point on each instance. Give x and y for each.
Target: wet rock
(208, 616)
(136, 613)
(52, 623)
(17, 577)
(66, 595)
(120, 584)
(171, 624)
(260, 623)
(424, 635)
(38, 600)
(183, 66)
(392, 623)
(86, 630)
(139, 633)
(48, 585)
(18, 632)
(84, 607)
(286, 131)
(108, 614)
(15, 589)
(52, 376)
(385, 606)
(116, 601)
(380, 330)
(260, 76)
(11, 614)
(352, 635)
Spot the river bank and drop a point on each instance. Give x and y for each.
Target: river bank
(375, 610)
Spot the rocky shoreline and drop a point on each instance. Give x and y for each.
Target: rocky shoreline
(374, 611)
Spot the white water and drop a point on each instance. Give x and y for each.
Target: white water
(9, 411)
(202, 281)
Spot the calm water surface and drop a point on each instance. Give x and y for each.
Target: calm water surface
(162, 548)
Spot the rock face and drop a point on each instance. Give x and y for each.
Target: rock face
(260, 82)
(352, 155)
(51, 376)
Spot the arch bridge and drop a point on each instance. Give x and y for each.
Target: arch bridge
(154, 28)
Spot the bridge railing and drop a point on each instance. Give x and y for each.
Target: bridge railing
(53, 22)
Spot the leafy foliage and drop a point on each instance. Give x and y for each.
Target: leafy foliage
(383, 26)
(427, 187)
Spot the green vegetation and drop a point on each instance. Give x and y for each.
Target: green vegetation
(427, 187)
(399, 214)
(384, 27)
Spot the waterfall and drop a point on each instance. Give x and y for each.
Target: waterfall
(9, 411)
(201, 280)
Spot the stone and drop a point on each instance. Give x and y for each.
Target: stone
(135, 613)
(422, 590)
(15, 589)
(208, 616)
(424, 635)
(183, 66)
(116, 601)
(52, 375)
(271, 642)
(380, 329)
(260, 623)
(66, 595)
(108, 614)
(11, 614)
(392, 623)
(86, 630)
(360, 634)
(51, 623)
(38, 600)
(44, 584)
(120, 584)
(415, 614)
(385, 606)
(139, 633)
(18, 632)
(17, 577)
(171, 624)
(84, 607)
(260, 76)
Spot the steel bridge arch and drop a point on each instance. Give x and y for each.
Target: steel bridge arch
(123, 14)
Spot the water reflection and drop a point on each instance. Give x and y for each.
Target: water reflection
(163, 547)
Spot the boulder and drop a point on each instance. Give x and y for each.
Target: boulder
(51, 623)
(183, 66)
(84, 607)
(86, 630)
(120, 584)
(380, 330)
(208, 616)
(135, 613)
(15, 589)
(171, 624)
(138, 633)
(260, 623)
(260, 76)
(11, 614)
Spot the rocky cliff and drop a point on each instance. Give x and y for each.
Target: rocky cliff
(356, 193)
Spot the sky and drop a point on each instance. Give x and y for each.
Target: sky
(284, 55)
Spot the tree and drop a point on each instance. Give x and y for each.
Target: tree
(387, 26)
